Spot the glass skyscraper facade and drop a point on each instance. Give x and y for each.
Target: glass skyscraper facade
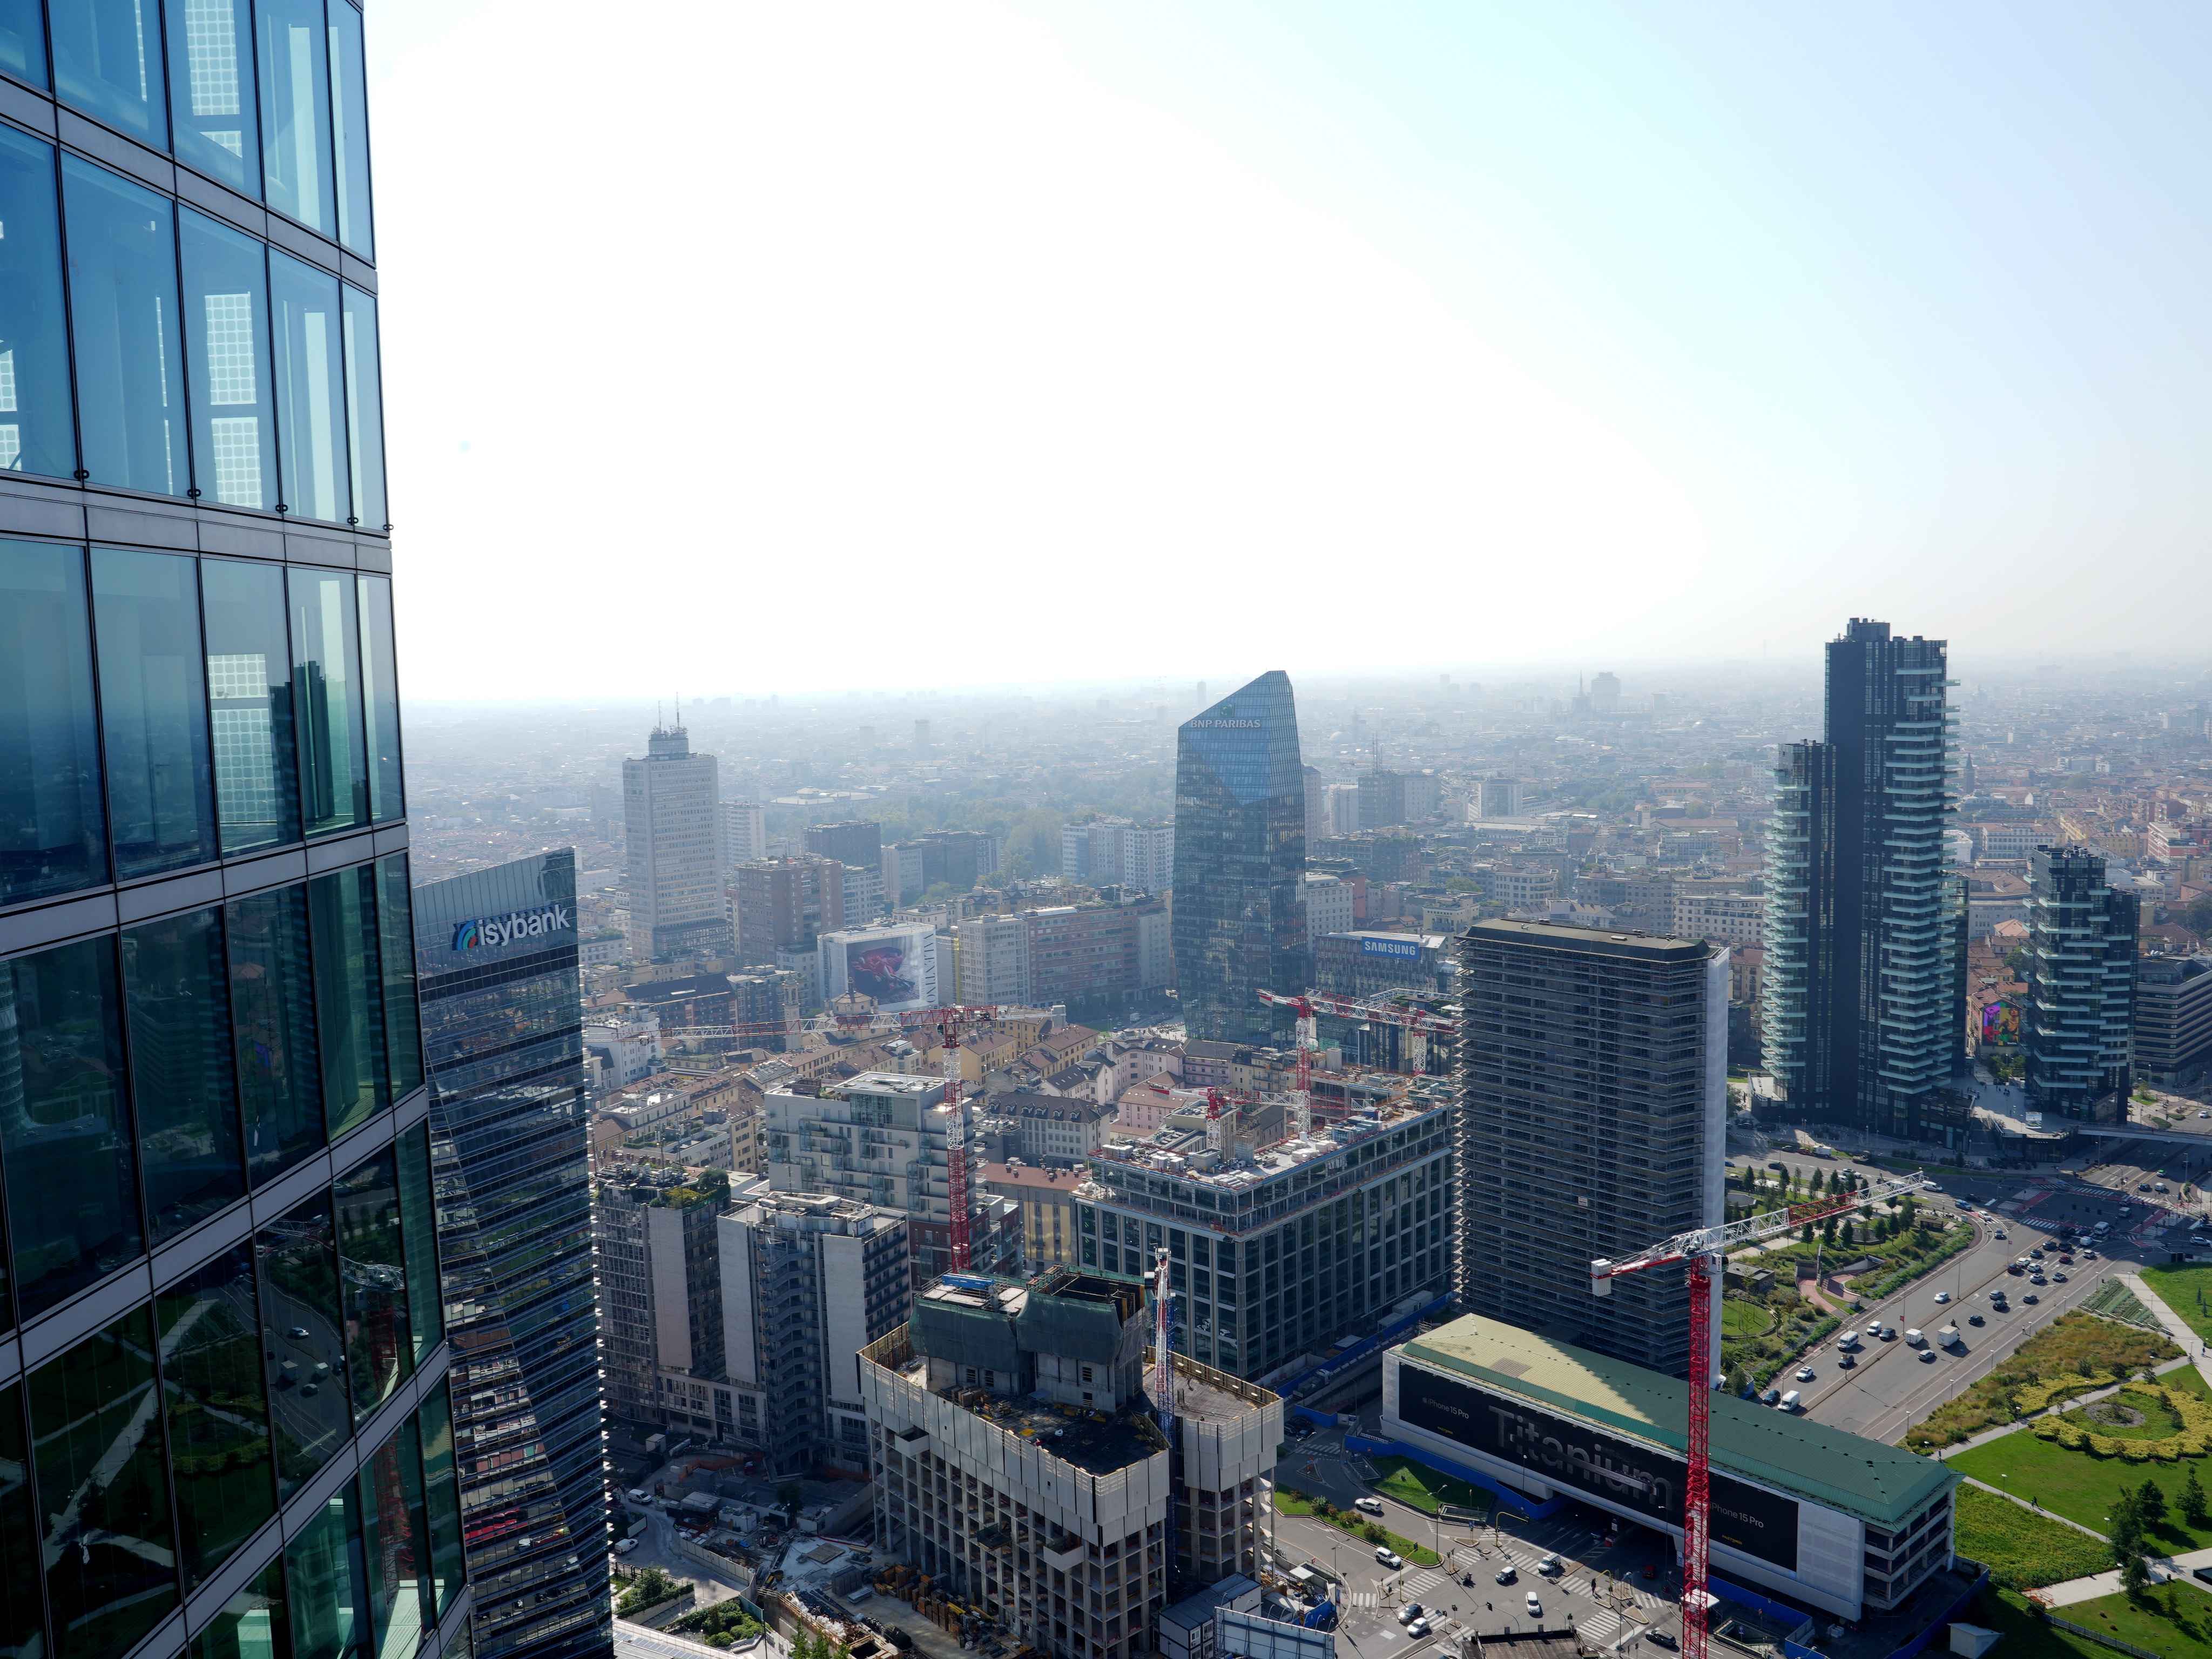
(503, 1026)
(225, 1428)
(1862, 1018)
(1240, 858)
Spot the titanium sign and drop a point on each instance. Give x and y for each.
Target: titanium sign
(1404, 950)
(1567, 1453)
(489, 932)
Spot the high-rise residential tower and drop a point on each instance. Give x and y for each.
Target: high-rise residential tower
(2081, 934)
(495, 952)
(671, 831)
(1240, 853)
(1862, 974)
(1592, 1122)
(745, 833)
(225, 1425)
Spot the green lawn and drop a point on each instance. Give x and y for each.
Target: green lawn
(2158, 1419)
(2188, 1291)
(2184, 1633)
(1422, 1488)
(2080, 1487)
(2023, 1550)
(1742, 1317)
(1367, 1531)
(2026, 1637)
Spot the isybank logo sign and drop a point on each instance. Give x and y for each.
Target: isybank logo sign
(488, 932)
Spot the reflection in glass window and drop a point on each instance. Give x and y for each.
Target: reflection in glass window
(403, 1018)
(398, 1544)
(175, 986)
(364, 412)
(23, 44)
(419, 1232)
(249, 670)
(296, 112)
(350, 119)
(272, 1004)
(64, 1141)
(107, 61)
(303, 1339)
(310, 390)
(54, 834)
(227, 343)
(326, 699)
(442, 1494)
(103, 1491)
(122, 320)
(324, 1575)
(253, 1624)
(373, 1271)
(153, 709)
(22, 1613)
(210, 65)
(349, 996)
(380, 681)
(218, 1409)
(36, 432)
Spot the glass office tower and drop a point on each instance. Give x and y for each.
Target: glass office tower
(503, 1030)
(224, 1424)
(1240, 858)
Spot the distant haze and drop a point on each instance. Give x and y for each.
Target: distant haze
(776, 348)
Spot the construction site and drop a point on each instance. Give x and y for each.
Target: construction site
(1051, 1475)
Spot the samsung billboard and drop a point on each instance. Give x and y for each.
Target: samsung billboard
(1571, 1454)
(1406, 949)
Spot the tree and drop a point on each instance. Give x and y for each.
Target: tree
(2150, 1504)
(1805, 1234)
(2194, 1509)
(2135, 1576)
(2126, 1534)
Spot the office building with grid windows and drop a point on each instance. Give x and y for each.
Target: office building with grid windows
(225, 1428)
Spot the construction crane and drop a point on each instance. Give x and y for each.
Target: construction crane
(1701, 1252)
(1307, 1010)
(955, 1146)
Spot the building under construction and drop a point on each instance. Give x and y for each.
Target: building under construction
(1022, 1475)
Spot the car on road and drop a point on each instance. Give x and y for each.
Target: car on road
(625, 1545)
(1846, 1361)
(1535, 1605)
(1388, 1556)
(2015, 1269)
(1506, 1575)
(2142, 1186)
(1550, 1566)
(2058, 1278)
(1372, 1505)
(1660, 1638)
(1927, 1356)
(1941, 1297)
(298, 1332)
(1418, 1629)
(2031, 1299)
(1805, 1373)
(1409, 1612)
(1976, 1319)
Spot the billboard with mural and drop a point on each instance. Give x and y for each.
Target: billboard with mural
(2000, 1022)
(896, 968)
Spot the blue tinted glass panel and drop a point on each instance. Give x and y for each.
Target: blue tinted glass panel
(211, 69)
(107, 61)
(349, 996)
(326, 700)
(303, 1340)
(36, 434)
(272, 1004)
(254, 1623)
(123, 317)
(296, 112)
(349, 117)
(65, 1141)
(443, 1492)
(23, 1611)
(324, 1578)
(249, 670)
(310, 390)
(53, 832)
(419, 1232)
(397, 1536)
(218, 1409)
(22, 41)
(153, 709)
(103, 1492)
(373, 1273)
(380, 683)
(364, 412)
(227, 341)
(177, 988)
(402, 1019)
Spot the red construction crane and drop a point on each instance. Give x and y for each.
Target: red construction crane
(1305, 1009)
(1701, 1253)
(956, 1145)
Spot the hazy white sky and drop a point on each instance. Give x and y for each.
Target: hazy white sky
(745, 347)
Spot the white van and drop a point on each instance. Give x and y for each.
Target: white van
(1848, 1341)
(1790, 1401)
(1914, 1339)
(2103, 1227)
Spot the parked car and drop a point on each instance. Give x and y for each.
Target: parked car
(625, 1545)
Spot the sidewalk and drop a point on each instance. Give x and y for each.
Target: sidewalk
(2108, 1583)
(2176, 1327)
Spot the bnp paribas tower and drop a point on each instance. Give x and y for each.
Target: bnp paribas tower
(225, 1425)
(1240, 855)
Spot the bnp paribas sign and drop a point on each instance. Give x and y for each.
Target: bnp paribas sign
(488, 932)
